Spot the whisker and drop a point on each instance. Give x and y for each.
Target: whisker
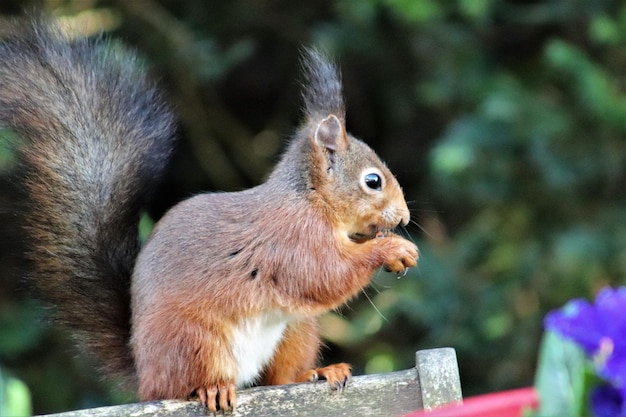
(373, 283)
(414, 211)
(339, 310)
(403, 231)
(378, 287)
(423, 210)
(382, 316)
(420, 227)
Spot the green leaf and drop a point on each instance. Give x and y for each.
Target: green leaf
(561, 378)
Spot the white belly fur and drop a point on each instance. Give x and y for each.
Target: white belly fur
(254, 343)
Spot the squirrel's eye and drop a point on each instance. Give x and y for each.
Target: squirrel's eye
(373, 181)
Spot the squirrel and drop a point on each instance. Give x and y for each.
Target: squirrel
(226, 291)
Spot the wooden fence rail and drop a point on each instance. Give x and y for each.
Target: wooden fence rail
(433, 382)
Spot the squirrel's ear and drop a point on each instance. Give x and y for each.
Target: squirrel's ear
(330, 134)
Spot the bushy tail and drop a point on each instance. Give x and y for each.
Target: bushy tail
(96, 139)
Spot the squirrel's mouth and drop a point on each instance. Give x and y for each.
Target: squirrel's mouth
(366, 233)
(374, 233)
(361, 237)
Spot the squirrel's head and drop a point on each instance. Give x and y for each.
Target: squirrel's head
(363, 195)
(344, 172)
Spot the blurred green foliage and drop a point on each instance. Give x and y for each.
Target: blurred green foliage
(14, 397)
(503, 120)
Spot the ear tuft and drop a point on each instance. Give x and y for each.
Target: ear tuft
(322, 92)
(330, 134)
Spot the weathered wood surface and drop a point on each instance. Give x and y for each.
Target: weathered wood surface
(433, 382)
(438, 374)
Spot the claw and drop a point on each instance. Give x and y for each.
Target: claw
(201, 393)
(221, 396)
(400, 254)
(212, 399)
(337, 375)
(340, 385)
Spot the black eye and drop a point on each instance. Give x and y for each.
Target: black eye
(373, 181)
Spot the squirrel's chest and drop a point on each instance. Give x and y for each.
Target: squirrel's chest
(254, 343)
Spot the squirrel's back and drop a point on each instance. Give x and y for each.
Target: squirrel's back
(96, 139)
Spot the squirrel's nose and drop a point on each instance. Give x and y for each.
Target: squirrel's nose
(404, 212)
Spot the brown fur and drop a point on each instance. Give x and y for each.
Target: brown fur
(220, 258)
(227, 289)
(97, 138)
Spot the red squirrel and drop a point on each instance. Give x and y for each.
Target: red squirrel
(226, 291)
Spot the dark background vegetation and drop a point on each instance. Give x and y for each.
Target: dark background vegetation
(503, 120)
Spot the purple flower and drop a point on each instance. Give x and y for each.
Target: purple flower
(606, 401)
(600, 330)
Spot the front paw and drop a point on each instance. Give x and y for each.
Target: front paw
(223, 394)
(337, 375)
(400, 254)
